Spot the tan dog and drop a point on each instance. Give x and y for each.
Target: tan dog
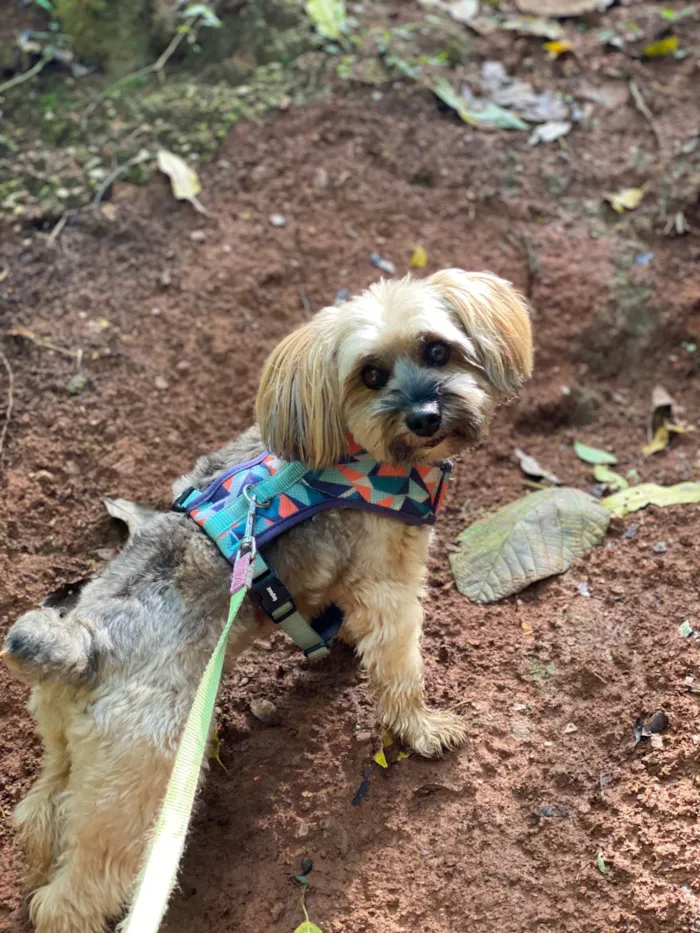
(411, 369)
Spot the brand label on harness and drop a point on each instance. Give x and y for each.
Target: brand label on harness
(271, 593)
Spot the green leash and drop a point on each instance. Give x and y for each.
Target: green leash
(159, 873)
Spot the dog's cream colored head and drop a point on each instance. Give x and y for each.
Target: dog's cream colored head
(411, 369)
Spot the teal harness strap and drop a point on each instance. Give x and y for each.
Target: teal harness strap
(283, 480)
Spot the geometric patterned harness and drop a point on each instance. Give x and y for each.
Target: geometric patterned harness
(287, 494)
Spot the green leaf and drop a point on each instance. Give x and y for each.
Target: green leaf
(485, 112)
(46, 5)
(600, 862)
(308, 927)
(328, 16)
(204, 12)
(592, 454)
(528, 540)
(603, 474)
(639, 497)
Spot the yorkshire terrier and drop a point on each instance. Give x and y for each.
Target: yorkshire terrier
(412, 370)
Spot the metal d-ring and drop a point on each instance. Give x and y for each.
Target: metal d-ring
(250, 497)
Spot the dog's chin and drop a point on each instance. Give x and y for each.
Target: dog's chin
(411, 450)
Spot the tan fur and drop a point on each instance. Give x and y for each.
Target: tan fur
(496, 317)
(115, 676)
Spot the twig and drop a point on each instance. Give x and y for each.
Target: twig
(641, 106)
(10, 399)
(44, 344)
(155, 67)
(112, 177)
(26, 75)
(305, 303)
(56, 232)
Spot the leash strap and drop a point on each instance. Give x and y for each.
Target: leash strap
(159, 874)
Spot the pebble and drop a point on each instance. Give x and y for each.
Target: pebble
(198, 236)
(321, 178)
(583, 589)
(156, 312)
(165, 279)
(227, 248)
(570, 728)
(161, 384)
(265, 712)
(77, 384)
(363, 738)
(660, 547)
(278, 220)
(384, 264)
(303, 831)
(182, 366)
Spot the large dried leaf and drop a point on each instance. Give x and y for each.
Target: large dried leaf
(183, 179)
(639, 497)
(476, 111)
(528, 540)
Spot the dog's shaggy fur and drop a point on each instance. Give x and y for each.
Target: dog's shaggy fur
(413, 371)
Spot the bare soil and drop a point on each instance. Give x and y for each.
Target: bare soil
(503, 836)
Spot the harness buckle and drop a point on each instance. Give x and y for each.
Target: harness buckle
(179, 504)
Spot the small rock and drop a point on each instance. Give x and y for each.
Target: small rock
(384, 264)
(265, 712)
(227, 248)
(583, 589)
(307, 866)
(660, 547)
(182, 366)
(558, 810)
(631, 530)
(570, 728)
(321, 178)
(161, 384)
(278, 220)
(341, 296)
(165, 279)
(156, 312)
(685, 629)
(302, 832)
(657, 741)
(364, 738)
(77, 384)
(198, 236)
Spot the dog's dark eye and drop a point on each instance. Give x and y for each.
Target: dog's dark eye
(436, 353)
(374, 377)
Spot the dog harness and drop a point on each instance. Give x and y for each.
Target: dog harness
(252, 503)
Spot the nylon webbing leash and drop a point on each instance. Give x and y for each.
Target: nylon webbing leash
(159, 873)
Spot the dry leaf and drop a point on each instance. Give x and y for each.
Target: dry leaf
(183, 180)
(562, 8)
(380, 758)
(661, 47)
(627, 199)
(557, 48)
(639, 497)
(659, 442)
(328, 16)
(419, 258)
(531, 467)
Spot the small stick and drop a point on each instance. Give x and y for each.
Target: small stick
(10, 399)
(641, 106)
(56, 232)
(26, 75)
(112, 177)
(44, 344)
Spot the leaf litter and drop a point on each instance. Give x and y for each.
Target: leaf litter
(639, 497)
(664, 422)
(531, 467)
(184, 181)
(593, 455)
(530, 539)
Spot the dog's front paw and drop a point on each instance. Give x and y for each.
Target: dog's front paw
(433, 732)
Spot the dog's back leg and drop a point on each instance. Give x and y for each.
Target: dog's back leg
(42, 644)
(37, 818)
(115, 788)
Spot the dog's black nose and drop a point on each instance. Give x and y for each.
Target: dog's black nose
(424, 420)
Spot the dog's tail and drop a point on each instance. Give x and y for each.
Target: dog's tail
(43, 644)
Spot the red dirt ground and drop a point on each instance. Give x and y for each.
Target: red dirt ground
(461, 844)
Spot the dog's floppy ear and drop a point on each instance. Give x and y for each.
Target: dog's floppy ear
(495, 317)
(298, 402)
